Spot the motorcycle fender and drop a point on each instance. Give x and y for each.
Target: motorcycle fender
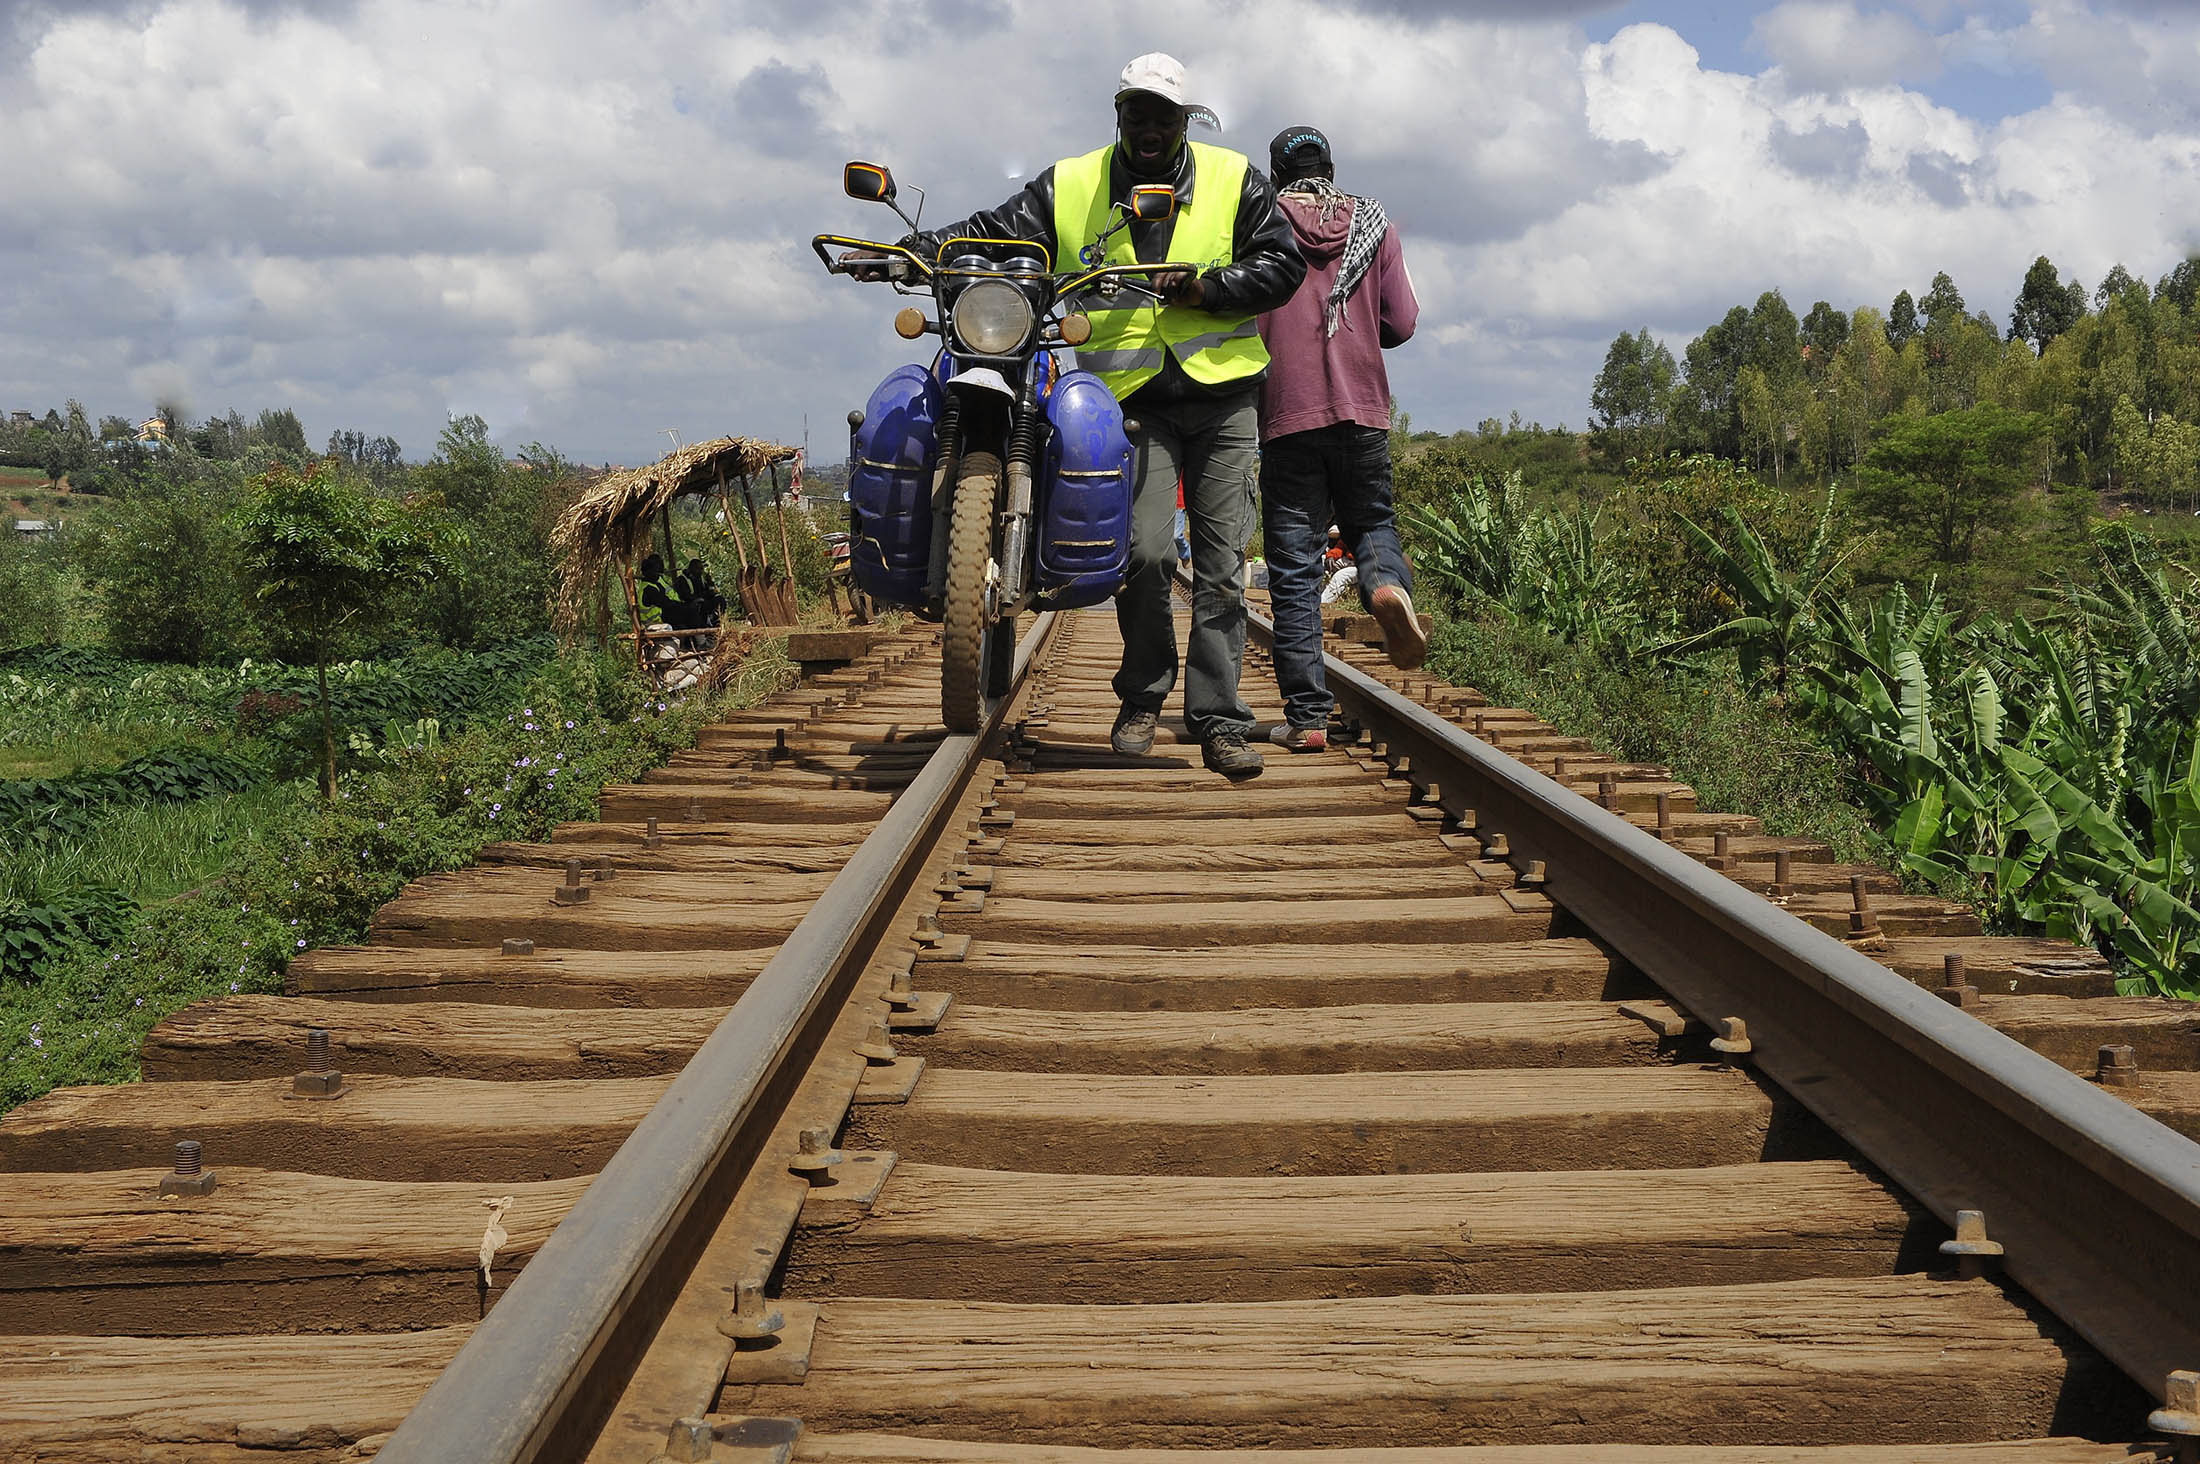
(981, 378)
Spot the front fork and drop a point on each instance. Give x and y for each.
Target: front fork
(1020, 469)
(943, 499)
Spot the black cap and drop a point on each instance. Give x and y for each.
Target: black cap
(1296, 149)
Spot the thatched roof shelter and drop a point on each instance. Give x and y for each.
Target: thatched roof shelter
(609, 524)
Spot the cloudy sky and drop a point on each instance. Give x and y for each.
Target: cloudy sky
(588, 222)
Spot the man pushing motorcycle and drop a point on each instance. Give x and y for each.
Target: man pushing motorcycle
(1187, 368)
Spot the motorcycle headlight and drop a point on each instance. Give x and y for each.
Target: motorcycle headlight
(992, 317)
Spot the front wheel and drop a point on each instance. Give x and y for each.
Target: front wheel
(965, 632)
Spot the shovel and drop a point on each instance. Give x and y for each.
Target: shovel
(744, 585)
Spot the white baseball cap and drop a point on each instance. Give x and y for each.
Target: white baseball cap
(1163, 75)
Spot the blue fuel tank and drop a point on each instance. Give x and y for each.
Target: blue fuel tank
(1084, 508)
(890, 487)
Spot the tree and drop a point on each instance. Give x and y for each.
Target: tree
(1775, 343)
(1754, 401)
(2046, 307)
(325, 559)
(280, 429)
(1633, 392)
(1943, 303)
(2181, 285)
(1951, 477)
(1825, 331)
(2115, 285)
(162, 559)
(1713, 364)
(1901, 321)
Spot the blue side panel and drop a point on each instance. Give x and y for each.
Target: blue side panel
(890, 487)
(1085, 495)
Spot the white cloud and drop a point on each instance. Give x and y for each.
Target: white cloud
(589, 220)
(1832, 46)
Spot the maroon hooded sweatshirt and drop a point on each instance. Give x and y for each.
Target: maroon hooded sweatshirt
(1316, 380)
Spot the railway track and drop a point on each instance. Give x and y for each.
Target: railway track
(898, 1096)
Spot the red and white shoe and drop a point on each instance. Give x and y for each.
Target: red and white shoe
(1403, 639)
(1299, 739)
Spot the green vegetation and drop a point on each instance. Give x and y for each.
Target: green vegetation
(2048, 764)
(325, 559)
(158, 757)
(277, 869)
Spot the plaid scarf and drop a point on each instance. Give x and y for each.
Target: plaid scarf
(1362, 238)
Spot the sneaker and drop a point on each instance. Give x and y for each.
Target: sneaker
(1299, 739)
(1134, 729)
(1403, 639)
(1227, 754)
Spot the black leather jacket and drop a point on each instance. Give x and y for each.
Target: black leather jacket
(1264, 271)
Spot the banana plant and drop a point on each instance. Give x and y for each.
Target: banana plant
(1779, 611)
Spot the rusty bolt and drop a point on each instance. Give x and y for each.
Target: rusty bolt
(876, 1046)
(1558, 768)
(1722, 851)
(690, 1441)
(1862, 919)
(189, 1179)
(572, 892)
(2117, 1065)
(320, 1079)
(814, 1153)
(1973, 1252)
(1783, 873)
(2179, 1415)
(780, 751)
(1954, 990)
(1479, 724)
(1535, 878)
(901, 991)
(928, 929)
(1732, 1044)
(1665, 816)
(650, 837)
(1607, 789)
(753, 1317)
(1496, 846)
(518, 946)
(605, 869)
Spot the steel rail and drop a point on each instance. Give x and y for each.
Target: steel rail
(541, 1372)
(2096, 1204)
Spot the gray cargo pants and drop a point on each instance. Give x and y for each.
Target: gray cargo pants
(1213, 447)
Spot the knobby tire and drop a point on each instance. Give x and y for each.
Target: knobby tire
(963, 634)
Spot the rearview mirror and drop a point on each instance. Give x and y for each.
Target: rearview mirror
(871, 182)
(1152, 202)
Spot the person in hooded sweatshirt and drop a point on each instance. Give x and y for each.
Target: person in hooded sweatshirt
(1325, 427)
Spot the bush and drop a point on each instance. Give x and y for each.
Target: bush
(164, 563)
(33, 592)
(34, 936)
(1740, 751)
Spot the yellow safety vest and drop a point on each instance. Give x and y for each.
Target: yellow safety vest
(1130, 332)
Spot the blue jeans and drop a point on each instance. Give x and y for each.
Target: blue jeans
(1309, 480)
(1209, 446)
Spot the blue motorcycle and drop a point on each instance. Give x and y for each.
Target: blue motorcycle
(991, 481)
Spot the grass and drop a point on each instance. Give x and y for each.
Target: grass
(79, 748)
(277, 871)
(150, 852)
(1740, 751)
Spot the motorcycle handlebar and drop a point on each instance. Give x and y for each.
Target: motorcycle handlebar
(895, 259)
